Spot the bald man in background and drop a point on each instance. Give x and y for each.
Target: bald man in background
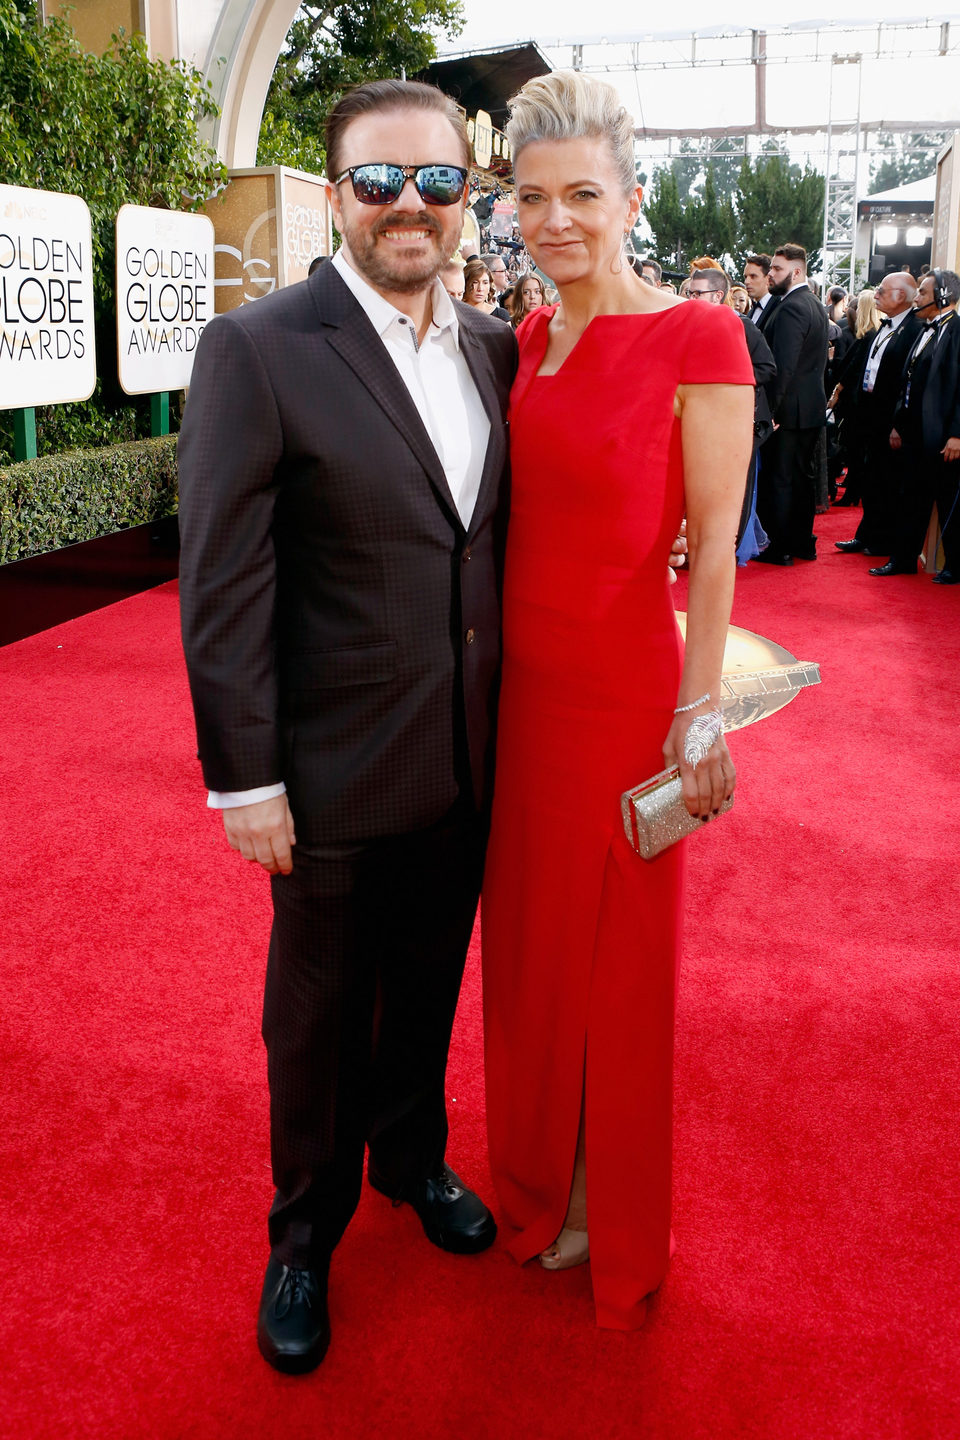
(872, 390)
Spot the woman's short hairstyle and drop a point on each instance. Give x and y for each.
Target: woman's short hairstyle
(390, 95)
(868, 317)
(569, 105)
(704, 262)
(473, 270)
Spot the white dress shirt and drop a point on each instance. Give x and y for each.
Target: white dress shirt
(438, 379)
(880, 342)
(763, 302)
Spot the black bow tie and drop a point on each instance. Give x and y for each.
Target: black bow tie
(886, 320)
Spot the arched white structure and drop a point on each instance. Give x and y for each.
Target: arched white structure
(233, 43)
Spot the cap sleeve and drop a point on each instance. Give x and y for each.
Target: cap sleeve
(716, 350)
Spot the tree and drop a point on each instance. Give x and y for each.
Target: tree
(664, 213)
(704, 225)
(776, 203)
(116, 129)
(906, 157)
(333, 45)
(710, 226)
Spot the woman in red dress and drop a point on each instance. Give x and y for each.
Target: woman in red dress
(630, 408)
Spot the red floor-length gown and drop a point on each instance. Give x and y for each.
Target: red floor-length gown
(580, 936)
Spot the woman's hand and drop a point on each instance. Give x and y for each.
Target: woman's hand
(712, 782)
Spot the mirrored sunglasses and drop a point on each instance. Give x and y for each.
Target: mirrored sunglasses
(383, 184)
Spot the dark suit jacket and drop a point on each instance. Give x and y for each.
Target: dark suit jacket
(882, 400)
(336, 614)
(797, 336)
(940, 406)
(764, 373)
(766, 313)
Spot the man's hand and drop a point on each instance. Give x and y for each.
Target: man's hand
(895, 441)
(951, 451)
(263, 833)
(678, 553)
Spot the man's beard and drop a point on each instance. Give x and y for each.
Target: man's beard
(781, 287)
(393, 272)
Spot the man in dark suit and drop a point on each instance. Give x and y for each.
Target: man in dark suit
(342, 456)
(713, 287)
(797, 336)
(870, 394)
(927, 431)
(756, 282)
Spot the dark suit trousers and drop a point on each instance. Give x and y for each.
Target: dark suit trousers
(915, 481)
(786, 494)
(946, 475)
(366, 957)
(879, 527)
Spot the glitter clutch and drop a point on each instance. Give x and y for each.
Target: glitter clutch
(654, 815)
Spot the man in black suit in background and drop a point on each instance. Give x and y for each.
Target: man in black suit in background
(342, 456)
(756, 282)
(927, 431)
(712, 287)
(797, 335)
(871, 392)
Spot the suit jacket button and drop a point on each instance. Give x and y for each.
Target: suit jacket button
(467, 554)
(470, 636)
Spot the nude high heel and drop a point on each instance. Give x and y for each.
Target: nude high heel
(570, 1248)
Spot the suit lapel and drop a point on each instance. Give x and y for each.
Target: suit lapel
(350, 333)
(478, 363)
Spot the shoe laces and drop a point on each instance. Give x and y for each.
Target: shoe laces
(296, 1285)
(447, 1186)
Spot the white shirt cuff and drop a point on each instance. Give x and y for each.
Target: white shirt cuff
(230, 799)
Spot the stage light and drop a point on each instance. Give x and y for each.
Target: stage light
(917, 235)
(886, 236)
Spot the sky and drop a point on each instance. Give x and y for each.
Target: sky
(548, 20)
(925, 89)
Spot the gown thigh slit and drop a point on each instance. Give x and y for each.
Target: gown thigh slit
(580, 935)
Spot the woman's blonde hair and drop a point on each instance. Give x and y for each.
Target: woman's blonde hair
(568, 105)
(868, 317)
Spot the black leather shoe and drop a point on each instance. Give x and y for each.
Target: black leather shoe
(451, 1215)
(806, 555)
(851, 547)
(891, 569)
(767, 557)
(946, 577)
(293, 1327)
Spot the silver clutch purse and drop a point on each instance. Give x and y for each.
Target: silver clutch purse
(654, 815)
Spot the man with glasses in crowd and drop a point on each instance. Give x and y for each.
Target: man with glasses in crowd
(712, 288)
(872, 393)
(341, 457)
(927, 430)
(499, 276)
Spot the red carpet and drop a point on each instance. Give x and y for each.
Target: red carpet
(815, 1290)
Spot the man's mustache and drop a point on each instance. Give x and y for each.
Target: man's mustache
(423, 221)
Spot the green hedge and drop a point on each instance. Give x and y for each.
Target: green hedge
(57, 500)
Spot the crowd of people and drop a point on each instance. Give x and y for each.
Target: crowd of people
(849, 411)
(861, 406)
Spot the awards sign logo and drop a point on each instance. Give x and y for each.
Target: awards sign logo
(46, 299)
(165, 296)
